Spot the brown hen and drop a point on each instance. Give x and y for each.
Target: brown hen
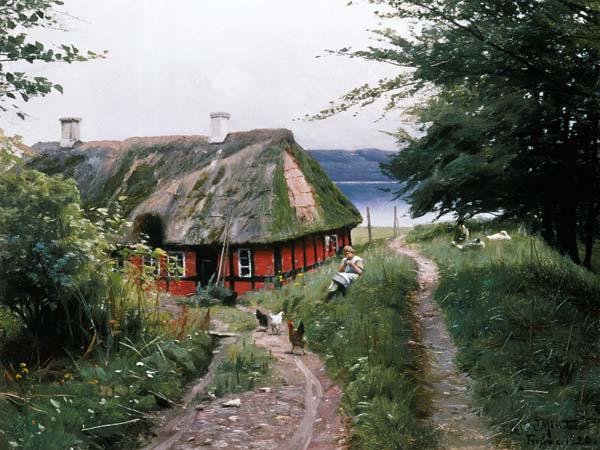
(296, 336)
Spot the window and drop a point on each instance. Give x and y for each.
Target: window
(151, 265)
(333, 243)
(176, 264)
(245, 262)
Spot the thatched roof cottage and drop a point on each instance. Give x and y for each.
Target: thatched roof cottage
(257, 194)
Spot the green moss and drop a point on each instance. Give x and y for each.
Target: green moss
(54, 166)
(231, 191)
(138, 186)
(338, 210)
(335, 208)
(208, 204)
(219, 175)
(199, 185)
(114, 183)
(284, 221)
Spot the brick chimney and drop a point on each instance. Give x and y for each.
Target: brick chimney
(70, 131)
(219, 127)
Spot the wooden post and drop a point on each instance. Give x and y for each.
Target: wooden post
(369, 224)
(395, 221)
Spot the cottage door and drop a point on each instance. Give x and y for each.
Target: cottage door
(277, 261)
(207, 264)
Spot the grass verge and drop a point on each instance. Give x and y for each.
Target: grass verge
(526, 322)
(89, 403)
(363, 339)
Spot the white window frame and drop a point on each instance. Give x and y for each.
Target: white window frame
(152, 262)
(248, 266)
(169, 255)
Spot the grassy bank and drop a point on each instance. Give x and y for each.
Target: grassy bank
(525, 320)
(98, 402)
(363, 338)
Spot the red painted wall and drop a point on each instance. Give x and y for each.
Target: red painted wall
(190, 263)
(320, 247)
(264, 264)
(310, 251)
(241, 287)
(224, 267)
(298, 255)
(286, 257)
(182, 287)
(264, 261)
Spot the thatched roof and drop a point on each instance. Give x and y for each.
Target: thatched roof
(270, 187)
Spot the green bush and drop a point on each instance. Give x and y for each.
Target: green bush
(48, 257)
(213, 294)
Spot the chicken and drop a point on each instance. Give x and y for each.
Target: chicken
(501, 236)
(296, 336)
(205, 325)
(276, 322)
(263, 319)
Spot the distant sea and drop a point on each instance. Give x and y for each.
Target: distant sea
(375, 195)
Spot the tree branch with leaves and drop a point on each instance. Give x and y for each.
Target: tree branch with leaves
(18, 19)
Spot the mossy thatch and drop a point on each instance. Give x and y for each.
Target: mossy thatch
(196, 188)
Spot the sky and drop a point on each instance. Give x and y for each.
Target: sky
(172, 62)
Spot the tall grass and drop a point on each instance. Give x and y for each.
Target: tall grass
(84, 404)
(363, 339)
(244, 368)
(526, 321)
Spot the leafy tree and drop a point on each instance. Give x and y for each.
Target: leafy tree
(513, 110)
(18, 19)
(49, 255)
(66, 273)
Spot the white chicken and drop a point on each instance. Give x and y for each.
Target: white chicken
(276, 320)
(501, 236)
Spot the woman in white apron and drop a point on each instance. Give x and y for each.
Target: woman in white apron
(350, 269)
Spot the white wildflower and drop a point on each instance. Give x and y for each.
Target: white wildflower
(139, 364)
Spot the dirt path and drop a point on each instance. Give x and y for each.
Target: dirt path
(453, 410)
(300, 414)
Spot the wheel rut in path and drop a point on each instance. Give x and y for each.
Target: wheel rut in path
(452, 408)
(300, 414)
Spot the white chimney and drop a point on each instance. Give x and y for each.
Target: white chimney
(219, 127)
(70, 131)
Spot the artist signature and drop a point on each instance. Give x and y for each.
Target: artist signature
(564, 433)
